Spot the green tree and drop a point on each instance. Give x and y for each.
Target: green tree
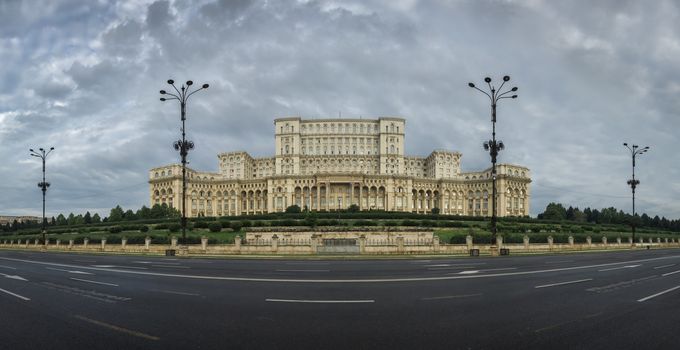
(96, 219)
(129, 215)
(144, 213)
(61, 220)
(71, 219)
(79, 220)
(116, 214)
(353, 208)
(87, 218)
(554, 211)
(293, 209)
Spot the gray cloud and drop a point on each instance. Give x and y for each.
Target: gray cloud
(84, 77)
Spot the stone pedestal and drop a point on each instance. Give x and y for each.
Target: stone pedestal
(204, 244)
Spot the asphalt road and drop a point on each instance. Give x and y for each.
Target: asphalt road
(613, 300)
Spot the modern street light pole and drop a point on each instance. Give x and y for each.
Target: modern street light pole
(183, 145)
(492, 145)
(634, 151)
(42, 154)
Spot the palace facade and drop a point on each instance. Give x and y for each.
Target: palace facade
(330, 164)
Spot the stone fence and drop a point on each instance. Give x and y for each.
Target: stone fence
(317, 245)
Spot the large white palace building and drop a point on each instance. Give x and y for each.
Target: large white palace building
(330, 164)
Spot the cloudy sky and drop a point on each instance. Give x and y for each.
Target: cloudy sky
(83, 77)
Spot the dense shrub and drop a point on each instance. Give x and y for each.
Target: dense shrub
(115, 229)
(236, 226)
(200, 224)
(409, 223)
(144, 228)
(365, 223)
(174, 227)
(390, 223)
(293, 209)
(215, 227)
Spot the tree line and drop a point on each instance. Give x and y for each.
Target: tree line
(117, 214)
(611, 215)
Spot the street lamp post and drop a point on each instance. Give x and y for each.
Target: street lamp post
(492, 145)
(634, 151)
(183, 145)
(42, 154)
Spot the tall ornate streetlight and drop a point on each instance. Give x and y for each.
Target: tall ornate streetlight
(183, 145)
(634, 151)
(492, 145)
(42, 154)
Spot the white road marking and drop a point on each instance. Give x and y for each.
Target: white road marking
(559, 262)
(175, 292)
(618, 268)
(303, 270)
(14, 277)
(172, 266)
(116, 328)
(657, 294)
(563, 283)
(320, 301)
(452, 296)
(86, 261)
(670, 273)
(96, 282)
(155, 262)
(8, 267)
(307, 263)
(70, 271)
(120, 267)
(468, 272)
(663, 266)
(371, 280)
(14, 294)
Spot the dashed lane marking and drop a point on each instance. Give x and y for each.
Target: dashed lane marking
(14, 294)
(663, 266)
(658, 294)
(563, 283)
(117, 328)
(95, 282)
(321, 301)
(452, 296)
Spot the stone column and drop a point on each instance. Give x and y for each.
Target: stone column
(658, 239)
(468, 242)
(362, 244)
(618, 240)
(351, 193)
(435, 244)
(361, 187)
(589, 241)
(275, 243)
(318, 197)
(526, 241)
(630, 240)
(550, 242)
(58, 243)
(70, 244)
(237, 243)
(204, 244)
(173, 242)
(85, 242)
(314, 243)
(649, 240)
(641, 240)
(147, 243)
(400, 244)
(499, 241)
(604, 241)
(571, 241)
(123, 243)
(103, 243)
(36, 242)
